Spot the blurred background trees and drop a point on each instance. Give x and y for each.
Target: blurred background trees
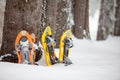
(81, 19)
(117, 16)
(109, 20)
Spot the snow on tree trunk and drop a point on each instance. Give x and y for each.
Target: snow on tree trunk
(117, 22)
(64, 19)
(81, 19)
(43, 17)
(106, 19)
(2, 9)
(20, 15)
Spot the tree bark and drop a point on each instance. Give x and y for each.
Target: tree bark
(81, 19)
(62, 22)
(106, 19)
(20, 15)
(117, 22)
(86, 23)
(51, 12)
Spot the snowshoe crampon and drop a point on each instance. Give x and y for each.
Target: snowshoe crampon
(24, 48)
(65, 44)
(48, 46)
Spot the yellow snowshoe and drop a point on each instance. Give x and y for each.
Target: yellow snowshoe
(65, 44)
(48, 46)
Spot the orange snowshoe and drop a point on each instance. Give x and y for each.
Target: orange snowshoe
(24, 48)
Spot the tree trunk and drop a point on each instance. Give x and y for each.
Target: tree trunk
(86, 23)
(51, 11)
(81, 19)
(106, 20)
(20, 15)
(64, 9)
(117, 22)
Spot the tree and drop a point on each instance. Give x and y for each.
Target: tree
(81, 19)
(117, 22)
(106, 19)
(20, 15)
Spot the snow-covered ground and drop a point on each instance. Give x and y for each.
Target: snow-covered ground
(92, 60)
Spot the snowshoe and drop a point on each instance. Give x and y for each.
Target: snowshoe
(24, 48)
(48, 45)
(65, 44)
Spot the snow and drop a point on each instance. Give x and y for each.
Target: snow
(1, 57)
(92, 60)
